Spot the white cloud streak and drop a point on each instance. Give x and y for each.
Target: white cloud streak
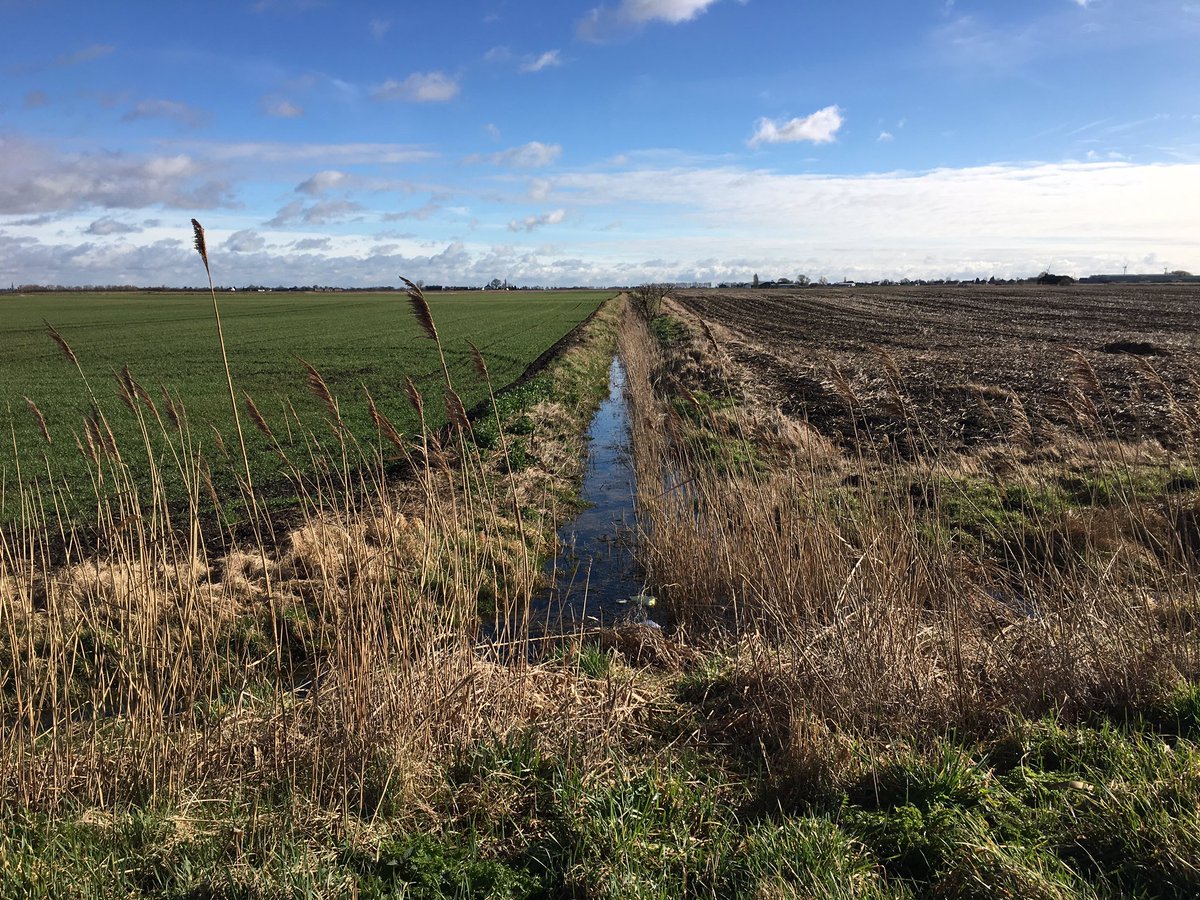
(530, 223)
(548, 60)
(281, 108)
(534, 155)
(419, 87)
(182, 113)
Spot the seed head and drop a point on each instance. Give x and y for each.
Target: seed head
(420, 308)
(481, 368)
(201, 247)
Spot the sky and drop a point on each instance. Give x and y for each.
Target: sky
(584, 143)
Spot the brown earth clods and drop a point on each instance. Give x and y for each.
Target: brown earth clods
(966, 355)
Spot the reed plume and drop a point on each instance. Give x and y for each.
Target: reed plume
(256, 416)
(202, 249)
(420, 308)
(383, 424)
(41, 420)
(320, 390)
(62, 343)
(455, 411)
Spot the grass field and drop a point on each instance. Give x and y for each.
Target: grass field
(354, 340)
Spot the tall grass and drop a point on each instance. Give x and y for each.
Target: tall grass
(154, 654)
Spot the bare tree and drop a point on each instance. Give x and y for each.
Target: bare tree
(648, 298)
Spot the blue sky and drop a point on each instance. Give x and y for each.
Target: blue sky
(575, 143)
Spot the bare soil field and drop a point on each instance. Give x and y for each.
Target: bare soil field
(963, 354)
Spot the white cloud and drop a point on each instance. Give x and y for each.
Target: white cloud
(34, 178)
(182, 113)
(885, 136)
(492, 130)
(312, 244)
(673, 11)
(320, 213)
(421, 213)
(281, 108)
(341, 154)
(244, 241)
(529, 223)
(1007, 217)
(548, 60)
(87, 54)
(322, 183)
(379, 28)
(533, 155)
(603, 23)
(107, 225)
(819, 128)
(419, 87)
(287, 215)
(326, 211)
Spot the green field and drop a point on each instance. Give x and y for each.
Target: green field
(169, 341)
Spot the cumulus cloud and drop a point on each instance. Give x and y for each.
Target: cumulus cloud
(107, 225)
(244, 241)
(312, 244)
(548, 60)
(289, 214)
(281, 108)
(36, 179)
(320, 213)
(885, 136)
(533, 155)
(529, 223)
(714, 223)
(322, 183)
(419, 87)
(603, 23)
(819, 128)
(182, 113)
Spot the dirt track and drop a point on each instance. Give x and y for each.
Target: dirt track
(949, 342)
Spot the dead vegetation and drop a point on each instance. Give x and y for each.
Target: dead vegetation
(336, 662)
(882, 580)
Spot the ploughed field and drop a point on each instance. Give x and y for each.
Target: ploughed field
(357, 342)
(975, 362)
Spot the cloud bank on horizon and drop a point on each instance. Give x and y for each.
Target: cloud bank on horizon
(684, 140)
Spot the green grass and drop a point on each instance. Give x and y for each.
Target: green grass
(1100, 808)
(169, 340)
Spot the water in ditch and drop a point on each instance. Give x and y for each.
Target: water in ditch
(595, 578)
